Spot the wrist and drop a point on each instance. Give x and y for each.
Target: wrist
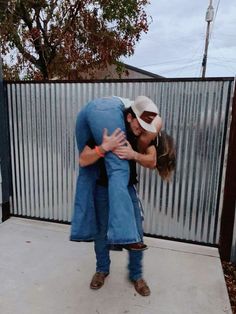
(98, 151)
(104, 148)
(135, 156)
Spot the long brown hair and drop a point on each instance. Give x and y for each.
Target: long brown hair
(166, 155)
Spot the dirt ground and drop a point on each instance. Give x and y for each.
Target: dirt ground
(230, 278)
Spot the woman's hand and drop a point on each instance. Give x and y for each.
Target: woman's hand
(125, 152)
(115, 140)
(147, 160)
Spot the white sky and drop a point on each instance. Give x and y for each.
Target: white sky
(174, 44)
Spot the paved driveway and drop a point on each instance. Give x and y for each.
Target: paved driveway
(42, 272)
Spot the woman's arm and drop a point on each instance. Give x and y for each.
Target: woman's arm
(147, 160)
(90, 155)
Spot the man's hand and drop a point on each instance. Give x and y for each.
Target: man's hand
(115, 140)
(125, 152)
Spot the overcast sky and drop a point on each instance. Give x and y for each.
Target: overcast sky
(174, 44)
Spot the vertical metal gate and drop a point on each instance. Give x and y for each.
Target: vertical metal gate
(44, 157)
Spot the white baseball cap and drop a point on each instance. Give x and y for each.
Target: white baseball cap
(139, 106)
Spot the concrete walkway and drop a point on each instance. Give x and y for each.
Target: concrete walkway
(42, 272)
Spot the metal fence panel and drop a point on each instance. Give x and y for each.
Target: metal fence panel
(44, 157)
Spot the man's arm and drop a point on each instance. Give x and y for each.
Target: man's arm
(88, 156)
(147, 160)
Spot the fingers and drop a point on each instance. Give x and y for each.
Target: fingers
(119, 149)
(123, 152)
(128, 143)
(122, 142)
(119, 154)
(117, 131)
(105, 133)
(119, 137)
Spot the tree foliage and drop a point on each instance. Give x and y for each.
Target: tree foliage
(52, 37)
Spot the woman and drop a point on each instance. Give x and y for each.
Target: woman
(89, 156)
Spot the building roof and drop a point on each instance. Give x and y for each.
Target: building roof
(152, 75)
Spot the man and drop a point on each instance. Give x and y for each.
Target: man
(137, 119)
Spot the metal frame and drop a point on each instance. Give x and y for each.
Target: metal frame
(5, 167)
(229, 201)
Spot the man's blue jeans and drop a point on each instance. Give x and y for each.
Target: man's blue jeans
(92, 119)
(101, 244)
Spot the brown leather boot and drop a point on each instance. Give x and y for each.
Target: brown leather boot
(98, 280)
(141, 287)
(139, 246)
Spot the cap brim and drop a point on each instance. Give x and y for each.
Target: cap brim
(147, 126)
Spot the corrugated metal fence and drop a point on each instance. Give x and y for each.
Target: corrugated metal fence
(44, 157)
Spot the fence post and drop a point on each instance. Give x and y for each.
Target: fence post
(4, 151)
(228, 211)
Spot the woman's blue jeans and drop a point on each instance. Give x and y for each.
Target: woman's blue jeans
(101, 245)
(92, 119)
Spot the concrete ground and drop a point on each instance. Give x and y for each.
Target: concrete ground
(42, 272)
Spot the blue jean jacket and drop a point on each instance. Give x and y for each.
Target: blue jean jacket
(122, 228)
